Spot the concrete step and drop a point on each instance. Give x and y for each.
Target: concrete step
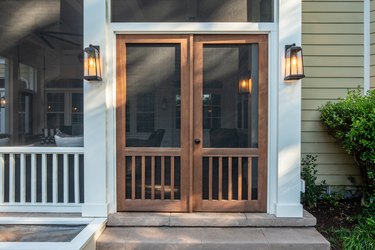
(155, 238)
(207, 220)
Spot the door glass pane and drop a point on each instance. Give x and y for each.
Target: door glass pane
(152, 91)
(192, 10)
(230, 96)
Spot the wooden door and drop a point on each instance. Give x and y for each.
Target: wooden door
(152, 123)
(189, 137)
(230, 124)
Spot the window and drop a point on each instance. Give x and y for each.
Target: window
(211, 111)
(192, 10)
(145, 113)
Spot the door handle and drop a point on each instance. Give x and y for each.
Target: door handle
(197, 141)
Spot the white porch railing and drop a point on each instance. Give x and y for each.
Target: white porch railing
(41, 179)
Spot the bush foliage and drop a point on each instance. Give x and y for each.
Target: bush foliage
(352, 121)
(313, 191)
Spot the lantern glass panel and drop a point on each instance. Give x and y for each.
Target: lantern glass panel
(92, 69)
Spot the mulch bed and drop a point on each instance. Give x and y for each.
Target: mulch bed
(335, 215)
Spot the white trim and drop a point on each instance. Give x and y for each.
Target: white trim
(289, 210)
(41, 150)
(272, 126)
(192, 28)
(53, 208)
(272, 94)
(86, 239)
(94, 210)
(44, 221)
(366, 45)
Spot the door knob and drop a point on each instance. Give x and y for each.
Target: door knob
(197, 141)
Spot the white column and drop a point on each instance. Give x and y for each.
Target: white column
(289, 115)
(95, 185)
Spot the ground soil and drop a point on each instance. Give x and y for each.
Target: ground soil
(332, 216)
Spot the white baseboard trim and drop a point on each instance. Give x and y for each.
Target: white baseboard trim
(95, 210)
(289, 210)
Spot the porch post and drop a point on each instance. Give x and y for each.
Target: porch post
(95, 185)
(289, 116)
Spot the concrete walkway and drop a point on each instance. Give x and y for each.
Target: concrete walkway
(214, 231)
(156, 238)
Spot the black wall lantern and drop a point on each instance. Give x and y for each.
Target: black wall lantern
(245, 83)
(92, 68)
(293, 63)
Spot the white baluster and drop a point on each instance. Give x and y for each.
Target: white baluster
(44, 178)
(2, 178)
(66, 179)
(54, 179)
(12, 164)
(33, 178)
(23, 178)
(76, 178)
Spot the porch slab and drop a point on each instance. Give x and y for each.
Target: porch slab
(211, 238)
(207, 220)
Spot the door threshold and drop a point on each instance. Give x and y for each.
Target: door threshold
(142, 219)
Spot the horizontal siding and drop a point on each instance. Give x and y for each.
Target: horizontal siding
(332, 38)
(372, 43)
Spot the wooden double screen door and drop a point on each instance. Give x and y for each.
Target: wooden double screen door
(191, 123)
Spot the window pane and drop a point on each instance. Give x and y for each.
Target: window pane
(153, 92)
(192, 10)
(41, 66)
(230, 116)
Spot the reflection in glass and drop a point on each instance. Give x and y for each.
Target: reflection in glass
(192, 10)
(41, 64)
(153, 104)
(230, 116)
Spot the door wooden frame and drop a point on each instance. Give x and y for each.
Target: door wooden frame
(142, 204)
(259, 205)
(191, 155)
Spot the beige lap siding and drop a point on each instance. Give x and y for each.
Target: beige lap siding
(372, 43)
(332, 40)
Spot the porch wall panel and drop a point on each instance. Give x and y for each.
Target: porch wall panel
(332, 38)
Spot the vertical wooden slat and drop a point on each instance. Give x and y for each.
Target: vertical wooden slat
(152, 177)
(143, 177)
(230, 189)
(66, 178)
(239, 178)
(44, 177)
(12, 164)
(1, 178)
(209, 178)
(22, 178)
(133, 177)
(33, 178)
(54, 179)
(172, 178)
(162, 177)
(220, 178)
(249, 178)
(76, 179)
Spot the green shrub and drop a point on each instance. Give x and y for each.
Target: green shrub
(362, 237)
(352, 121)
(308, 173)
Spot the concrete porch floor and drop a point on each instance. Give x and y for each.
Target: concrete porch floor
(210, 231)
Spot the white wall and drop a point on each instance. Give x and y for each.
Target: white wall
(284, 105)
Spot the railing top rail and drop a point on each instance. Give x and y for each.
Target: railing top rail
(42, 150)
